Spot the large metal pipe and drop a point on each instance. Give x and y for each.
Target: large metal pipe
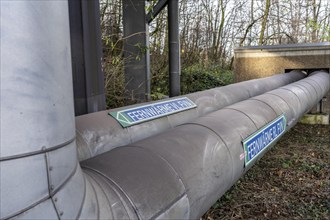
(98, 132)
(177, 174)
(180, 173)
(40, 176)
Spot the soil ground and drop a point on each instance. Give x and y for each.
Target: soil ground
(292, 181)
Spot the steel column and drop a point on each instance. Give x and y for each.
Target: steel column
(174, 47)
(86, 47)
(135, 49)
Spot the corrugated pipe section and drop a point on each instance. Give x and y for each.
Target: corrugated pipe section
(176, 174)
(98, 133)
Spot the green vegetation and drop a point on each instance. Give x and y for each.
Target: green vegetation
(194, 78)
(199, 77)
(209, 31)
(114, 80)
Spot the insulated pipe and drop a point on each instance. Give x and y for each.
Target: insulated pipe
(205, 155)
(40, 177)
(176, 174)
(98, 132)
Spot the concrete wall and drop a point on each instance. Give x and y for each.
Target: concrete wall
(262, 61)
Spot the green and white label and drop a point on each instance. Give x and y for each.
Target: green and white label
(132, 116)
(263, 138)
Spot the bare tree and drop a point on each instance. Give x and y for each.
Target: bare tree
(264, 22)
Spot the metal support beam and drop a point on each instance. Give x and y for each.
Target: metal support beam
(135, 51)
(174, 47)
(319, 108)
(86, 52)
(156, 10)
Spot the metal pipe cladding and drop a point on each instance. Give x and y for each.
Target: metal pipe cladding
(203, 158)
(98, 133)
(177, 171)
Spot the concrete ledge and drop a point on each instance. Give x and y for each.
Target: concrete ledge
(315, 119)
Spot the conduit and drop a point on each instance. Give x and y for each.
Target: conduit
(200, 159)
(98, 133)
(176, 174)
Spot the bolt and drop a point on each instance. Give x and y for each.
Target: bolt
(43, 148)
(52, 187)
(55, 200)
(61, 213)
(50, 168)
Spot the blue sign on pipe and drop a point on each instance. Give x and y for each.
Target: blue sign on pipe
(263, 138)
(132, 116)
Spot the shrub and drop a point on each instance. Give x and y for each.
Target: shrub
(199, 77)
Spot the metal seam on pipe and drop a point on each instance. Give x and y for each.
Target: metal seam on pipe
(299, 83)
(159, 172)
(48, 174)
(293, 112)
(168, 206)
(308, 96)
(83, 200)
(166, 161)
(281, 99)
(316, 84)
(117, 186)
(255, 99)
(26, 209)
(45, 150)
(103, 180)
(97, 200)
(220, 137)
(319, 93)
(99, 182)
(278, 107)
(96, 182)
(57, 212)
(306, 91)
(127, 196)
(243, 114)
(65, 181)
(122, 197)
(249, 118)
(308, 87)
(293, 94)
